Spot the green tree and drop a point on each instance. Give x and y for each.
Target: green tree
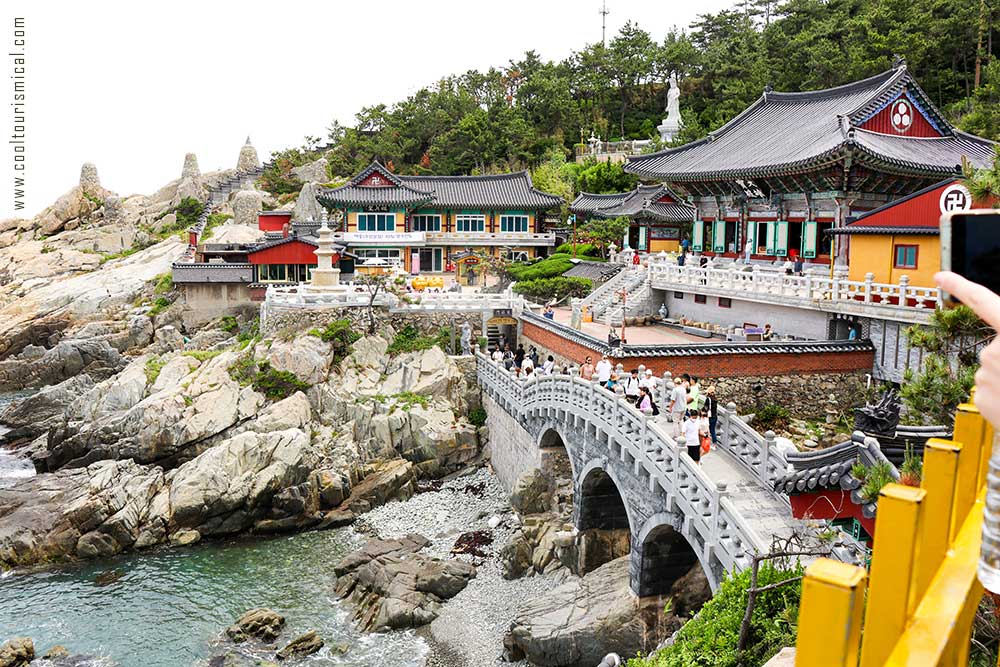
(601, 233)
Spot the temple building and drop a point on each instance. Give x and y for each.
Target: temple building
(426, 222)
(657, 216)
(902, 238)
(793, 166)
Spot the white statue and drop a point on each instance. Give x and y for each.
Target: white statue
(672, 123)
(466, 338)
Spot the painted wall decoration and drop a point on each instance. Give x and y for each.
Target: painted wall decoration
(664, 232)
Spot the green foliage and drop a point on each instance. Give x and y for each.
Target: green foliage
(912, 470)
(601, 233)
(709, 639)
(552, 266)
(229, 324)
(249, 332)
(771, 417)
(202, 355)
(163, 283)
(274, 384)
(859, 470)
(188, 211)
(153, 367)
(876, 477)
(213, 221)
(604, 178)
(409, 339)
(549, 289)
(477, 417)
(277, 178)
(583, 250)
(46, 249)
(119, 255)
(407, 399)
(160, 304)
(950, 362)
(340, 334)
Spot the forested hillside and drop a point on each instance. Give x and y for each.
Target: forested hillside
(530, 112)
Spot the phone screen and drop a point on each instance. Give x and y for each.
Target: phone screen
(975, 248)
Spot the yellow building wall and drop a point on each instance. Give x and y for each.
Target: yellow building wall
(664, 245)
(874, 253)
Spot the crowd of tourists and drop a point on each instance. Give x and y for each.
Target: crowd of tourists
(690, 407)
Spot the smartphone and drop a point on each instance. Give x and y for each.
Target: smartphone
(970, 246)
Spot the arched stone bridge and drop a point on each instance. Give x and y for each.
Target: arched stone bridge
(628, 472)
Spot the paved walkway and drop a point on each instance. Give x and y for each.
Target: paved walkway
(765, 512)
(648, 335)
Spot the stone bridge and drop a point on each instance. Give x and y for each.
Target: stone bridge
(629, 473)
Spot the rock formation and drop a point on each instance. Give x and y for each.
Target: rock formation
(394, 586)
(260, 623)
(248, 158)
(90, 183)
(314, 172)
(307, 208)
(190, 169)
(246, 206)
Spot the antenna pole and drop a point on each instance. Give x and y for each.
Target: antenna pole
(604, 20)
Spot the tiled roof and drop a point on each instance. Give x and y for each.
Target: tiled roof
(211, 272)
(639, 203)
(883, 229)
(782, 133)
(497, 192)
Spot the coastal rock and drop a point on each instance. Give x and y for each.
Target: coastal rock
(530, 494)
(67, 359)
(17, 652)
(259, 623)
(307, 207)
(246, 206)
(388, 480)
(581, 621)
(301, 646)
(396, 587)
(33, 414)
(307, 357)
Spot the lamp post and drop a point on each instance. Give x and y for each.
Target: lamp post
(572, 218)
(623, 295)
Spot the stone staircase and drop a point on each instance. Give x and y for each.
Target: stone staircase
(219, 194)
(605, 304)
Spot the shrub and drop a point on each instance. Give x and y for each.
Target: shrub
(163, 283)
(250, 331)
(912, 470)
(547, 289)
(588, 250)
(202, 355)
(160, 304)
(771, 417)
(710, 637)
(188, 211)
(407, 399)
(477, 417)
(878, 476)
(409, 339)
(229, 324)
(340, 334)
(274, 384)
(550, 267)
(153, 368)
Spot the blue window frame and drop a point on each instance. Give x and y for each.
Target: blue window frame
(470, 223)
(905, 257)
(376, 222)
(513, 223)
(425, 223)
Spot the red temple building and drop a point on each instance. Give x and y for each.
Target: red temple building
(793, 166)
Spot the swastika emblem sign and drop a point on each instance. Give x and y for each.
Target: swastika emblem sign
(955, 197)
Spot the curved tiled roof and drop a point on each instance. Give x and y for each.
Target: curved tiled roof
(494, 191)
(639, 203)
(782, 133)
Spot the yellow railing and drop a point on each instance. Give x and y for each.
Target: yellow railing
(923, 591)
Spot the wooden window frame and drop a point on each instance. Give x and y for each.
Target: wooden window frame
(678, 295)
(895, 255)
(725, 302)
(700, 298)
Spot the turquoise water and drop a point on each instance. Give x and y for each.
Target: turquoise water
(170, 604)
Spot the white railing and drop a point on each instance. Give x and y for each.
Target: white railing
(809, 290)
(354, 296)
(492, 238)
(601, 298)
(633, 437)
(757, 453)
(460, 301)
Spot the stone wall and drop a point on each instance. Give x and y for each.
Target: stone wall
(805, 396)
(209, 301)
(512, 449)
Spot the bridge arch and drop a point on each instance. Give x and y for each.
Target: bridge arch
(555, 457)
(662, 554)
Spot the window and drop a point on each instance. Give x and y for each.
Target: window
(513, 223)
(394, 255)
(376, 222)
(470, 223)
(700, 298)
(725, 303)
(426, 223)
(904, 257)
(678, 295)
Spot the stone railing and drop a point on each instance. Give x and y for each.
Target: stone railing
(757, 453)
(809, 290)
(211, 272)
(630, 147)
(601, 298)
(350, 295)
(645, 446)
(492, 238)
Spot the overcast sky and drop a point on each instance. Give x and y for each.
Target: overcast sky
(132, 88)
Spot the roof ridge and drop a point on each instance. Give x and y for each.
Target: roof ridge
(462, 176)
(889, 76)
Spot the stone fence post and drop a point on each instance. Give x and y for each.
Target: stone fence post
(869, 279)
(765, 453)
(665, 388)
(904, 283)
(730, 426)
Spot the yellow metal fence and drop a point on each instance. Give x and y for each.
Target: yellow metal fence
(922, 590)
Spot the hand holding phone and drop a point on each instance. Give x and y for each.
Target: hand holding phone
(970, 247)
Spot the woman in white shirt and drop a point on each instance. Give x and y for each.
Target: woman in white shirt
(548, 366)
(691, 440)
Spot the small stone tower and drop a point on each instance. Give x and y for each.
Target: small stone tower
(248, 158)
(246, 206)
(190, 169)
(90, 183)
(325, 274)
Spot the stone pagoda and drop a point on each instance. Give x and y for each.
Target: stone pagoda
(325, 275)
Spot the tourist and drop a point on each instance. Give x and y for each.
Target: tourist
(603, 369)
(712, 407)
(986, 304)
(678, 404)
(690, 432)
(527, 364)
(548, 366)
(648, 380)
(788, 267)
(852, 334)
(533, 355)
(798, 267)
(646, 403)
(503, 342)
(685, 245)
(682, 257)
(703, 261)
(549, 314)
(497, 355)
(587, 370)
(696, 399)
(519, 355)
(704, 435)
(747, 251)
(768, 333)
(508, 357)
(528, 370)
(631, 386)
(612, 381)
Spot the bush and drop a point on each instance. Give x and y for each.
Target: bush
(588, 250)
(340, 334)
(409, 339)
(771, 417)
(229, 324)
(876, 477)
(547, 289)
(477, 417)
(710, 637)
(202, 355)
(153, 368)
(164, 283)
(550, 267)
(159, 305)
(249, 332)
(188, 211)
(274, 384)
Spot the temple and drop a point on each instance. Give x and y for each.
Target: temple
(423, 222)
(656, 215)
(794, 166)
